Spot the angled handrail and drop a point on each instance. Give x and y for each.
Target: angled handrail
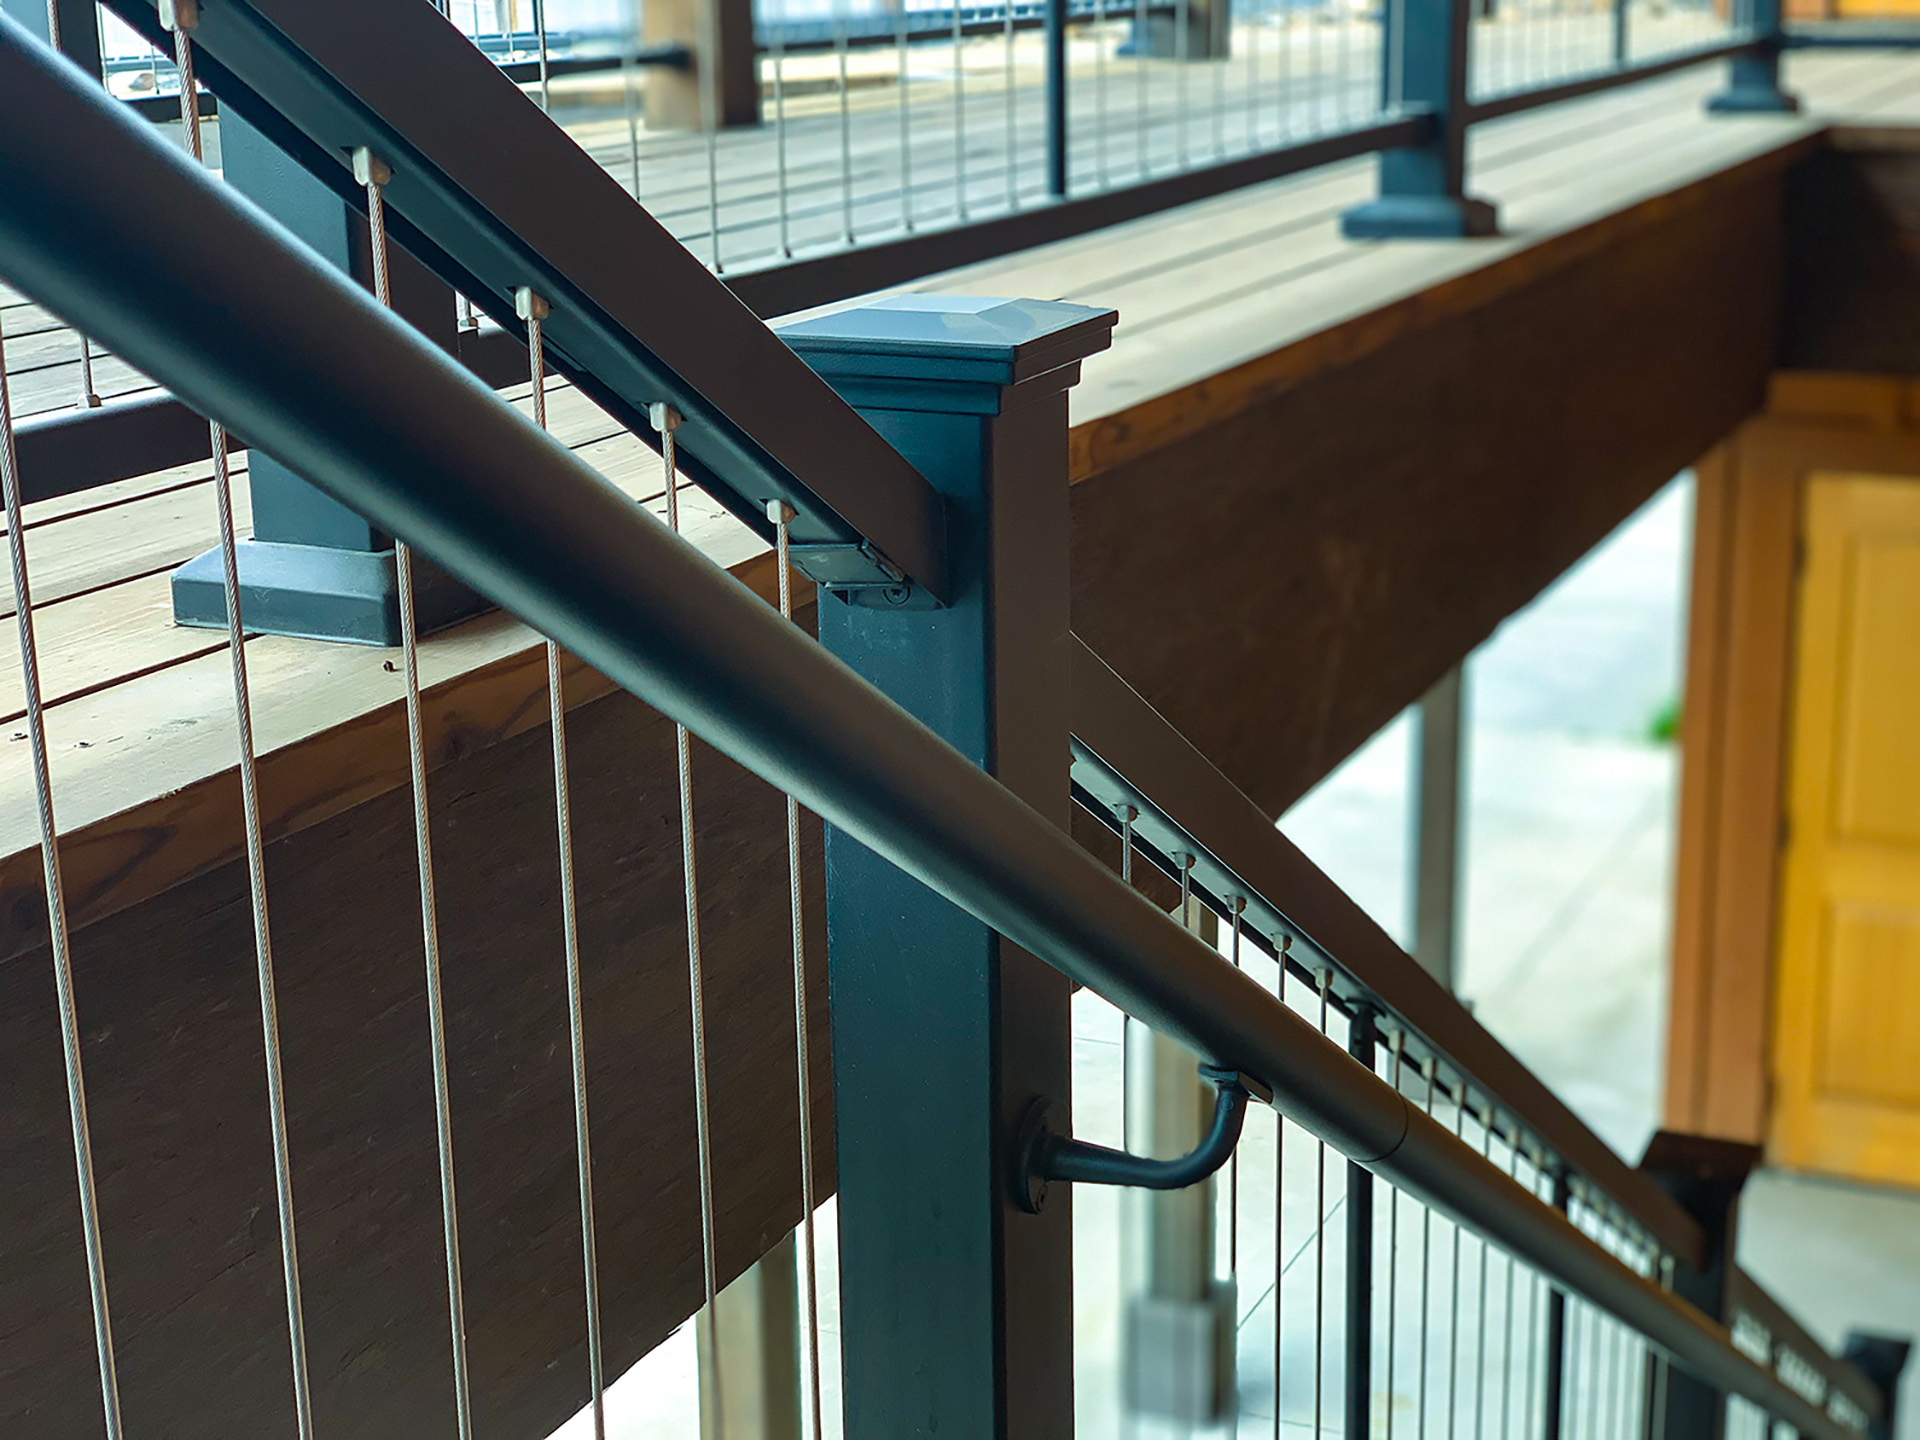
(1126, 753)
(492, 195)
(313, 370)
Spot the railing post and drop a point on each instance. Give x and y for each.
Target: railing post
(1880, 1358)
(1423, 187)
(956, 1305)
(1706, 1176)
(313, 568)
(1057, 161)
(1361, 1039)
(1753, 76)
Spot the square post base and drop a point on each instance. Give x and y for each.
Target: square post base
(312, 592)
(1735, 100)
(1420, 217)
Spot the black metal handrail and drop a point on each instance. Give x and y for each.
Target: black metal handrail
(306, 364)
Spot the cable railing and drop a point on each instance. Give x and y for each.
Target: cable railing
(926, 725)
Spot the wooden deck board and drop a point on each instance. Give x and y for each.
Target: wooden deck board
(1221, 302)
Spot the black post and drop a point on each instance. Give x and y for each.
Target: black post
(1753, 76)
(1880, 1358)
(1554, 1422)
(1423, 187)
(1057, 98)
(1619, 34)
(1706, 1176)
(956, 1303)
(1361, 1040)
(313, 568)
(79, 28)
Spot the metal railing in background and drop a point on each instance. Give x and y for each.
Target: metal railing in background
(952, 1304)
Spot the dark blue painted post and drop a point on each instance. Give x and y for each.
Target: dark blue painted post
(1753, 76)
(1880, 1358)
(1423, 187)
(1057, 98)
(1706, 1176)
(1554, 1423)
(956, 1305)
(1362, 1040)
(314, 568)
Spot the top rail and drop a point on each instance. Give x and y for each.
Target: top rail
(308, 366)
(493, 196)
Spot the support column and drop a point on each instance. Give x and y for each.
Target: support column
(1706, 1176)
(1423, 187)
(1362, 1037)
(1554, 1419)
(720, 87)
(1880, 1358)
(756, 1326)
(1207, 26)
(1753, 76)
(313, 568)
(1436, 827)
(956, 1304)
(1178, 1358)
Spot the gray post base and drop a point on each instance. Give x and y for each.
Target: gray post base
(1420, 217)
(1753, 88)
(314, 592)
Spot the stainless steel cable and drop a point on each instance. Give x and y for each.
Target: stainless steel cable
(846, 122)
(540, 38)
(534, 309)
(629, 79)
(1325, 981)
(184, 18)
(1182, 55)
(1453, 1335)
(1100, 169)
(782, 516)
(1142, 46)
(778, 46)
(373, 174)
(666, 420)
(59, 943)
(1393, 1248)
(1237, 908)
(1279, 1221)
(89, 397)
(959, 118)
(1426, 1264)
(1506, 1349)
(1480, 1347)
(710, 118)
(901, 81)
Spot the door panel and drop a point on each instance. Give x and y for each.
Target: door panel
(1847, 1013)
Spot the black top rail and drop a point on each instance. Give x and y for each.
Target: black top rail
(311, 368)
(492, 195)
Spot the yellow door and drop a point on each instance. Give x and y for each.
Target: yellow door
(1847, 1015)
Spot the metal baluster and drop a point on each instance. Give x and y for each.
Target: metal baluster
(1237, 907)
(846, 121)
(1393, 1249)
(531, 308)
(540, 35)
(373, 174)
(779, 49)
(1142, 42)
(1182, 54)
(710, 122)
(1459, 1235)
(629, 78)
(89, 397)
(666, 420)
(1480, 1344)
(1426, 1260)
(1253, 83)
(1100, 93)
(1219, 64)
(906, 123)
(1325, 980)
(59, 943)
(1279, 1220)
(1506, 1348)
(959, 118)
(1013, 161)
(781, 514)
(1595, 1344)
(182, 19)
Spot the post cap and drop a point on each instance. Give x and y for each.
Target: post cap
(965, 338)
